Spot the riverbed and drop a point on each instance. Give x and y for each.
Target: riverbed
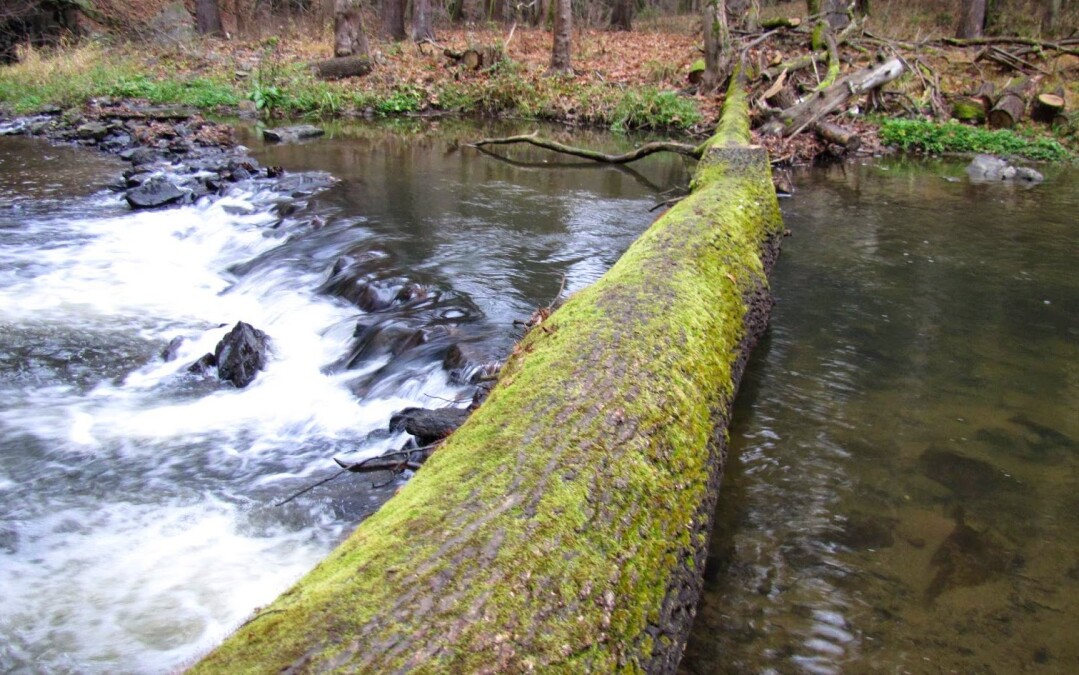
(924, 333)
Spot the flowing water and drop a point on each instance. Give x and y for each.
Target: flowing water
(901, 495)
(137, 524)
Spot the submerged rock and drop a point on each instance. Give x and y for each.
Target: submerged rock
(989, 168)
(427, 425)
(967, 477)
(155, 192)
(241, 354)
(292, 134)
(967, 557)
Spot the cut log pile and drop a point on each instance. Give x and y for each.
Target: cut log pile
(813, 83)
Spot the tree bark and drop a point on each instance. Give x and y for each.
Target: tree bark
(1052, 16)
(835, 13)
(422, 26)
(718, 49)
(208, 18)
(622, 14)
(971, 19)
(564, 527)
(393, 19)
(1047, 107)
(563, 30)
(343, 66)
(1009, 108)
(349, 36)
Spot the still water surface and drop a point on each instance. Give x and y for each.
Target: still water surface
(901, 496)
(902, 492)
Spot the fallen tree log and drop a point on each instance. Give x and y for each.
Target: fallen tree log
(833, 133)
(1010, 107)
(343, 66)
(639, 152)
(796, 118)
(564, 526)
(475, 58)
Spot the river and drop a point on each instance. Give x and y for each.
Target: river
(925, 329)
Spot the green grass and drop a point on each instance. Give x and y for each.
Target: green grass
(651, 108)
(953, 137)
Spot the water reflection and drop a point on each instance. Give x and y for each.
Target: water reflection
(901, 495)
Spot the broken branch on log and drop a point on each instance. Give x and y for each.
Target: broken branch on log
(632, 156)
(798, 117)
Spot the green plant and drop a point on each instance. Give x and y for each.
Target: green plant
(954, 137)
(403, 100)
(651, 108)
(266, 93)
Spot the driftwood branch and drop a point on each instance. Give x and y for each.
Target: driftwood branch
(624, 158)
(795, 119)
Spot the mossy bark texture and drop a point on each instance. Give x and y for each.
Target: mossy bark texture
(564, 527)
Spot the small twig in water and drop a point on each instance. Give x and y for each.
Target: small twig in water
(311, 487)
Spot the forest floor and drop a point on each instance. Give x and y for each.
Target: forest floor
(622, 80)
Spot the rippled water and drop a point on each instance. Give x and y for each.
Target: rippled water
(137, 524)
(902, 494)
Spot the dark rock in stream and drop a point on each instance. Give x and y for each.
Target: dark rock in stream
(204, 365)
(966, 477)
(292, 134)
(470, 363)
(157, 191)
(168, 354)
(429, 425)
(241, 354)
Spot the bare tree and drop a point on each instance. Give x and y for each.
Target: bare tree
(622, 14)
(349, 35)
(208, 18)
(972, 19)
(563, 30)
(422, 27)
(717, 45)
(1052, 16)
(393, 19)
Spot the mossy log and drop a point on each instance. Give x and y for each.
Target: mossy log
(343, 66)
(969, 110)
(564, 526)
(781, 22)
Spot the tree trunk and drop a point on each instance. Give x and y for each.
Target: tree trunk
(717, 46)
(564, 527)
(563, 29)
(393, 19)
(971, 19)
(208, 18)
(835, 13)
(422, 27)
(1052, 16)
(349, 36)
(622, 14)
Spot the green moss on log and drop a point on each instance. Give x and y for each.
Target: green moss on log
(554, 529)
